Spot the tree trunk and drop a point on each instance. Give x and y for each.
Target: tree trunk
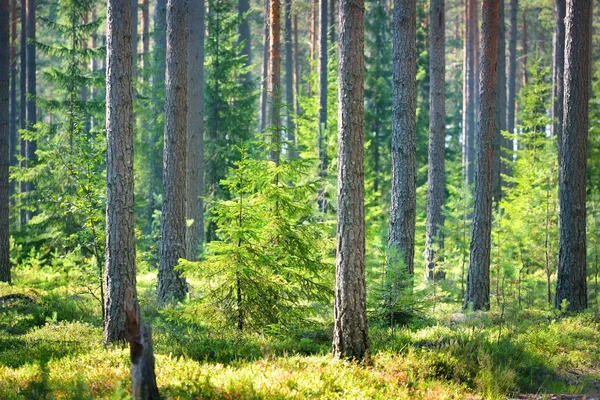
(524, 49)
(120, 220)
(244, 32)
(571, 284)
(332, 21)
(512, 80)
(322, 99)
(262, 120)
(134, 39)
(171, 286)
(145, 34)
(478, 280)
(4, 134)
(31, 89)
(23, 107)
(500, 110)
(401, 238)
(558, 67)
(289, 79)
(195, 132)
(434, 241)
(350, 333)
(296, 68)
(13, 97)
(275, 77)
(469, 89)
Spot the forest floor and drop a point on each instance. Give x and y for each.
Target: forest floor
(51, 347)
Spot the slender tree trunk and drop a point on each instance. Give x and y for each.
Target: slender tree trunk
(145, 34)
(478, 279)
(171, 286)
(244, 32)
(296, 67)
(289, 79)
(332, 21)
(571, 283)
(275, 76)
(524, 49)
(195, 131)
(322, 98)
(265, 72)
(434, 241)
(23, 107)
(512, 80)
(350, 333)
(120, 280)
(134, 38)
(401, 238)
(4, 134)
(13, 96)
(31, 89)
(558, 67)
(500, 110)
(469, 90)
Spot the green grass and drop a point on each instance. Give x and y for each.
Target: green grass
(51, 347)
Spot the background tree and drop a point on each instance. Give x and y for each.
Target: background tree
(4, 134)
(31, 145)
(558, 66)
(274, 85)
(322, 129)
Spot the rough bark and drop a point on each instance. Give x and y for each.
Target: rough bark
(120, 279)
(434, 240)
(275, 77)
(478, 280)
(244, 32)
(322, 129)
(31, 88)
(350, 334)
(12, 157)
(289, 79)
(171, 286)
(500, 126)
(195, 132)
(558, 67)
(571, 284)
(401, 237)
(4, 133)
(23, 105)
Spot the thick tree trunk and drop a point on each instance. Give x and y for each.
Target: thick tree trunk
(401, 238)
(350, 333)
(171, 286)
(478, 280)
(558, 68)
(120, 221)
(322, 98)
(4, 134)
(262, 120)
(13, 96)
(31, 89)
(244, 32)
(23, 106)
(275, 77)
(434, 240)
(195, 132)
(289, 79)
(500, 110)
(571, 284)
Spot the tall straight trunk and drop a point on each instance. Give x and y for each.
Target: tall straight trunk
(145, 33)
(296, 67)
(511, 93)
(524, 49)
(13, 95)
(571, 284)
(134, 38)
(120, 280)
(500, 110)
(289, 79)
(313, 32)
(83, 95)
(262, 120)
(31, 88)
(332, 21)
(322, 97)
(4, 133)
(558, 68)
(350, 332)
(478, 280)
(401, 237)
(194, 173)
(469, 91)
(275, 77)
(23, 106)
(171, 285)
(244, 32)
(434, 240)
(158, 81)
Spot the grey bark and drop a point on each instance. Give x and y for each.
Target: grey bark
(31, 88)
(434, 240)
(332, 21)
(275, 77)
(470, 91)
(558, 67)
(500, 124)
(322, 129)
(120, 278)
(478, 280)
(401, 237)
(350, 333)
(4, 134)
(23, 105)
(195, 132)
(13, 97)
(171, 285)
(289, 79)
(571, 284)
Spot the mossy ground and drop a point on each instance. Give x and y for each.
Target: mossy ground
(51, 348)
